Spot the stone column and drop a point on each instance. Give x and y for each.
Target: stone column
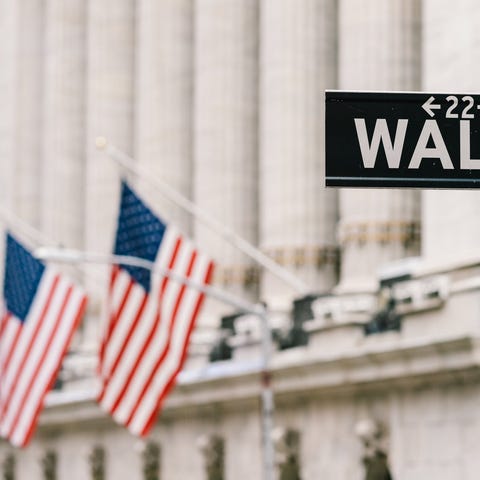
(297, 214)
(164, 95)
(110, 92)
(63, 175)
(451, 219)
(21, 68)
(225, 152)
(379, 50)
(28, 111)
(8, 80)
(8, 60)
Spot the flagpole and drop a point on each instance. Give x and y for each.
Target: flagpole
(77, 256)
(64, 255)
(32, 233)
(227, 234)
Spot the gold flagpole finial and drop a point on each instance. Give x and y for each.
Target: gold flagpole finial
(100, 142)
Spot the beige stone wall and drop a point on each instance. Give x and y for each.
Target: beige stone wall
(63, 134)
(27, 120)
(377, 226)
(164, 93)
(448, 43)
(109, 111)
(298, 58)
(226, 130)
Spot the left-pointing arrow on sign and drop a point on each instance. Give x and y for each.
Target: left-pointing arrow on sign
(429, 106)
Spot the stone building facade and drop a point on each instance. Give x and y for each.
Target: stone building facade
(223, 99)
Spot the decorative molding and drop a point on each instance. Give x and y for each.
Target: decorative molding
(335, 309)
(307, 255)
(404, 232)
(244, 275)
(376, 363)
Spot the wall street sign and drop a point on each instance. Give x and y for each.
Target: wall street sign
(391, 139)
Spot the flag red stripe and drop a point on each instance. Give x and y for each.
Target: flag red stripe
(128, 379)
(153, 417)
(171, 264)
(113, 277)
(49, 384)
(167, 347)
(3, 324)
(115, 316)
(32, 347)
(40, 363)
(145, 356)
(125, 342)
(9, 355)
(21, 365)
(101, 353)
(113, 323)
(152, 333)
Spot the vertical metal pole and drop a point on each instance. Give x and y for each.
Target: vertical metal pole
(267, 399)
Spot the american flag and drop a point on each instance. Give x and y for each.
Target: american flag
(150, 317)
(40, 313)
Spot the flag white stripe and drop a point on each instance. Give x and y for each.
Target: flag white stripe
(33, 357)
(10, 333)
(135, 345)
(165, 251)
(160, 341)
(171, 362)
(61, 335)
(28, 330)
(119, 289)
(7, 339)
(158, 338)
(48, 367)
(131, 353)
(134, 301)
(31, 350)
(118, 292)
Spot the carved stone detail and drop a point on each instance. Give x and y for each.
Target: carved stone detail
(212, 448)
(383, 232)
(8, 467)
(96, 460)
(287, 453)
(374, 439)
(151, 461)
(49, 465)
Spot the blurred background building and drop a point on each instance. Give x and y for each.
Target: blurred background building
(377, 361)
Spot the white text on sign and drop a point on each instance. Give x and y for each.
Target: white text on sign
(429, 135)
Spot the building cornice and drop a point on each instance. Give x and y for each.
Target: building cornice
(389, 363)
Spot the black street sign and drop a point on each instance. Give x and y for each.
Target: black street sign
(426, 140)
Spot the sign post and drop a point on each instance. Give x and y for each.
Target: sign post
(419, 140)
